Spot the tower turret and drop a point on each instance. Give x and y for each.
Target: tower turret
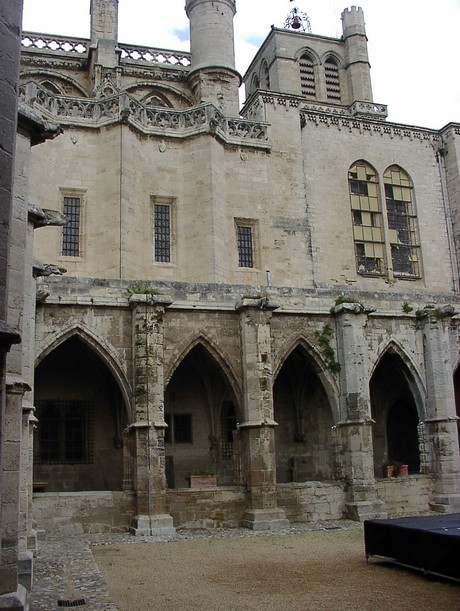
(213, 76)
(358, 67)
(104, 32)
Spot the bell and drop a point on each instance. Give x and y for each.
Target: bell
(296, 23)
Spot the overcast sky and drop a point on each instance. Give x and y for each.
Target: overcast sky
(413, 44)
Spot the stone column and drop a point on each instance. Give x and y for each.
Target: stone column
(355, 426)
(441, 421)
(257, 431)
(147, 431)
(12, 594)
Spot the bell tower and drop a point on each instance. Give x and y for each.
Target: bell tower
(214, 77)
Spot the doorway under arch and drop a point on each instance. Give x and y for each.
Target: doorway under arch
(304, 416)
(201, 414)
(394, 411)
(81, 415)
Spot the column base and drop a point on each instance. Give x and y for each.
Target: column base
(14, 601)
(265, 519)
(365, 510)
(25, 569)
(446, 503)
(156, 525)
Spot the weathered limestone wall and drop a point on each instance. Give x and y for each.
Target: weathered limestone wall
(206, 508)
(312, 501)
(329, 205)
(82, 512)
(406, 495)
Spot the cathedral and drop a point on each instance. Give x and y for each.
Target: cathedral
(236, 316)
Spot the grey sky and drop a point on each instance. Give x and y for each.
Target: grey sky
(413, 44)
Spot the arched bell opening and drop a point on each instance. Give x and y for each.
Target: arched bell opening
(201, 414)
(81, 415)
(303, 437)
(394, 411)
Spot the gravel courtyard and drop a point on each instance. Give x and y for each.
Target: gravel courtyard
(314, 570)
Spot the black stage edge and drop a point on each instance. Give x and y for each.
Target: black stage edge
(428, 543)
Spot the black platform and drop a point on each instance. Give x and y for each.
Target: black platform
(430, 543)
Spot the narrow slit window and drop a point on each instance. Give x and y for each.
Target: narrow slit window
(307, 76)
(245, 246)
(331, 71)
(162, 232)
(71, 231)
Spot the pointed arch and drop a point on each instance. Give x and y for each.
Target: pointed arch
(264, 75)
(402, 222)
(397, 408)
(101, 349)
(143, 90)
(414, 380)
(308, 63)
(69, 86)
(319, 366)
(366, 214)
(332, 76)
(215, 352)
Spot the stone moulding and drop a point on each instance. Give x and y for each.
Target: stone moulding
(168, 122)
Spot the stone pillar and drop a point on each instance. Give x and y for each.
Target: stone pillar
(12, 594)
(147, 431)
(441, 420)
(213, 76)
(355, 426)
(104, 32)
(257, 431)
(356, 55)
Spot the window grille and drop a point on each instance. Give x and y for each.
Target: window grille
(65, 432)
(331, 71)
(245, 246)
(179, 428)
(71, 231)
(228, 425)
(162, 232)
(367, 219)
(307, 76)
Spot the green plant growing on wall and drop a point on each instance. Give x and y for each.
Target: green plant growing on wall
(342, 299)
(141, 288)
(324, 342)
(407, 308)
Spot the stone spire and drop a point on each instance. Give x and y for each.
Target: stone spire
(214, 77)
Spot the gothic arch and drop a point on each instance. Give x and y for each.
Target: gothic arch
(215, 352)
(145, 90)
(308, 51)
(264, 75)
(201, 407)
(397, 409)
(101, 349)
(334, 56)
(414, 381)
(37, 76)
(319, 366)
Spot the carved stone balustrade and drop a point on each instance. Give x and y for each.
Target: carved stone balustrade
(147, 119)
